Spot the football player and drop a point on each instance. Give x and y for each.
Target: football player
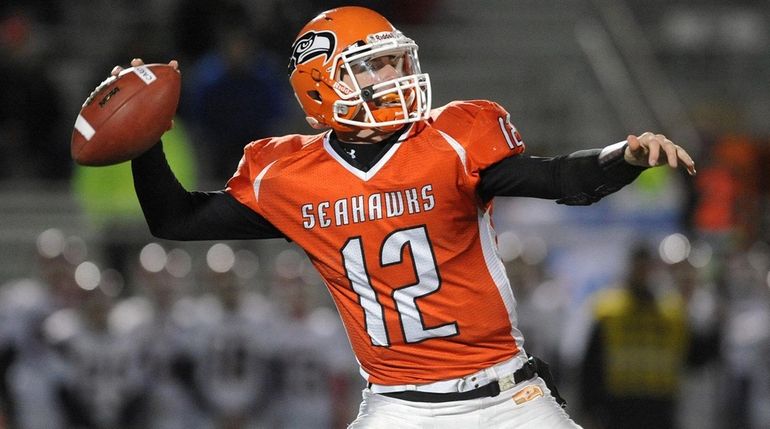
(315, 361)
(234, 368)
(165, 341)
(106, 379)
(392, 204)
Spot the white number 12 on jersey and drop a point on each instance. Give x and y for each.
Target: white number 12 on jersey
(428, 282)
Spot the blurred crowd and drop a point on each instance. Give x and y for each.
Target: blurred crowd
(169, 346)
(214, 338)
(679, 338)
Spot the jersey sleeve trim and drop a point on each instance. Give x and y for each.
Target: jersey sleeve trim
(258, 180)
(457, 148)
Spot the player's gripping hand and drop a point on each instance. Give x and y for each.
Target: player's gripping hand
(139, 62)
(652, 150)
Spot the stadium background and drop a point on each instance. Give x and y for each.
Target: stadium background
(573, 74)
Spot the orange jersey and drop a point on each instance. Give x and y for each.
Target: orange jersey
(407, 249)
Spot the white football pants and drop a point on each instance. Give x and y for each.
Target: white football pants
(528, 405)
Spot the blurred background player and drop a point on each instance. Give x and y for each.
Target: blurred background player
(107, 376)
(165, 341)
(313, 355)
(34, 375)
(31, 371)
(745, 340)
(236, 345)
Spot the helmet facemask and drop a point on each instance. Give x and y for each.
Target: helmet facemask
(379, 84)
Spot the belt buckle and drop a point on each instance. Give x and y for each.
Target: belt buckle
(506, 382)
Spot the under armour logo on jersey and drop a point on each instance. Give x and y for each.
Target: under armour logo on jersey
(352, 153)
(310, 45)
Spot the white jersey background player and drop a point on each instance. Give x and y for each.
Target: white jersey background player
(165, 341)
(315, 363)
(234, 354)
(35, 315)
(108, 377)
(33, 372)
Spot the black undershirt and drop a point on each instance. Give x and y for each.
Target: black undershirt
(175, 213)
(361, 155)
(364, 155)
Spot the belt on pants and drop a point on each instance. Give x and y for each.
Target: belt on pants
(533, 367)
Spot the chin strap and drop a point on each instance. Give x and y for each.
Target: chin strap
(315, 123)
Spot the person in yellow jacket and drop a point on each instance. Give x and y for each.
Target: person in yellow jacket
(638, 347)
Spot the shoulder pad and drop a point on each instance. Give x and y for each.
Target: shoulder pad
(483, 128)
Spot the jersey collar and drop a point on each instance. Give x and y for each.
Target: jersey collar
(354, 169)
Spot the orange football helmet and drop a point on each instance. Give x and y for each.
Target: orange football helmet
(351, 69)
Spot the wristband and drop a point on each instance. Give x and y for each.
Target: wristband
(612, 154)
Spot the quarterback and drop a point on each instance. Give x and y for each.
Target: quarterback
(391, 201)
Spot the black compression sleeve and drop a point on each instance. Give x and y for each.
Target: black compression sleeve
(575, 179)
(176, 214)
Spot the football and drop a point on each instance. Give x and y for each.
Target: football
(126, 115)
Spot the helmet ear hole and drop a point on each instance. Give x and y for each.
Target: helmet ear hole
(315, 95)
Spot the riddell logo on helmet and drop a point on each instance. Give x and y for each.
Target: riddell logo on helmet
(311, 45)
(342, 88)
(381, 37)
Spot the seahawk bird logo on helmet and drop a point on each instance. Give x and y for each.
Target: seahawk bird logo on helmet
(310, 45)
